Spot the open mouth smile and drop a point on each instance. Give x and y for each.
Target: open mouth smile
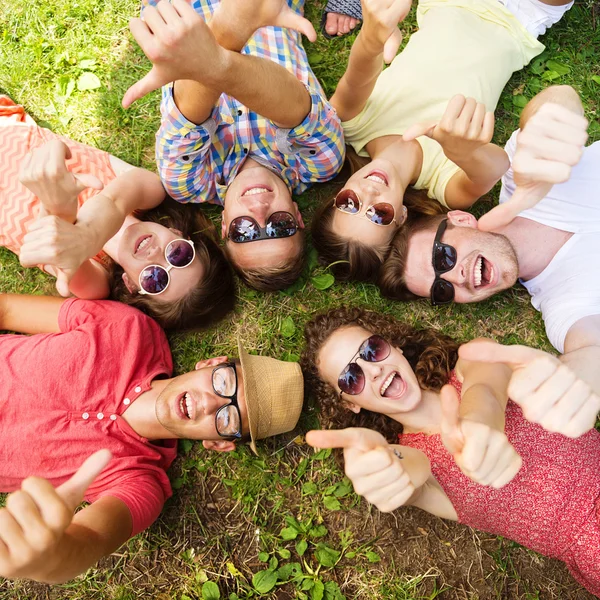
(378, 177)
(484, 274)
(393, 386)
(142, 244)
(186, 407)
(257, 189)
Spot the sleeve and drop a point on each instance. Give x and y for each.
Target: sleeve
(316, 146)
(144, 494)
(183, 152)
(437, 170)
(508, 181)
(76, 312)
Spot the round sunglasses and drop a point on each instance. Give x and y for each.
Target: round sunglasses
(351, 380)
(381, 213)
(443, 259)
(155, 279)
(245, 229)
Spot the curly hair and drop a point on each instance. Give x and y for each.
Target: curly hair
(352, 259)
(392, 281)
(214, 296)
(431, 354)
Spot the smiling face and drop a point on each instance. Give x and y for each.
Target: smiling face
(257, 192)
(486, 262)
(391, 386)
(187, 406)
(375, 183)
(143, 244)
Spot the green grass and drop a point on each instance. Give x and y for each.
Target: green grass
(234, 516)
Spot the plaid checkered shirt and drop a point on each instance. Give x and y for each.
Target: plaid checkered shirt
(197, 162)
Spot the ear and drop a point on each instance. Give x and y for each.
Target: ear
(223, 226)
(131, 287)
(220, 446)
(298, 216)
(404, 215)
(460, 218)
(176, 232)
(355, 408)
(210, 362)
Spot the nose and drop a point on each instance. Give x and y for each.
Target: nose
(260, 211)
(212, 402)
(458, 276)
(373, 371)
(369, 193)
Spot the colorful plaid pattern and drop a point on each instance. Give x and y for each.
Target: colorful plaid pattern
(197, 162)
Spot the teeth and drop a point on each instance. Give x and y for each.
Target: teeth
(387, 382)
(143, 243)
(376, 179)
(188, 405)
(478, 269)
(256, 190)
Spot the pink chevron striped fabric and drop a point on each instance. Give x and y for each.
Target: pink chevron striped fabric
(19, 135)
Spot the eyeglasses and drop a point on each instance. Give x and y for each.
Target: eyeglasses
(443, 259)
(155, 279)
(228, 420)
(381, 213)
(279, 225)
(352, 379)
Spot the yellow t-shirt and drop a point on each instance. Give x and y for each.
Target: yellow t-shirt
(468, 47)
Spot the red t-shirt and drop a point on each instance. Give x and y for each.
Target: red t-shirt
(62, 396)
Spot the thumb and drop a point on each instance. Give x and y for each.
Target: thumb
(353, 437)
(419, 129)
(451, 433)
(292, 20)
(504, 213)
(390, 48)
(152, 81)
(87, 180)
(491, 352)
(62, 283)
(73, 490)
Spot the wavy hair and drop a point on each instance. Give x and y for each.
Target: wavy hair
(431, 354)
(214, 296)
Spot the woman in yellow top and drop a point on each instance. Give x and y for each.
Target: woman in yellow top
(426, 122)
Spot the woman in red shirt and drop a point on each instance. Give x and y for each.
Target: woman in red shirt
(466, 452)
(68, 208)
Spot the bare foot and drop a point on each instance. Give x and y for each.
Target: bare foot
(338, 24)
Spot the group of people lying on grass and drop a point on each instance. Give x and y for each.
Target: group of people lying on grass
(498, 437)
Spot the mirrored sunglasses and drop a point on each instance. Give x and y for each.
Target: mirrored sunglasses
(381, 213)
(155, 279)
(279, 225)
(351, 380)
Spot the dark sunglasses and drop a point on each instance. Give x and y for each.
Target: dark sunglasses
(228, 419)
(155, 279)
(279, 225)
(443, 259)
(381, 213)
(352, 379)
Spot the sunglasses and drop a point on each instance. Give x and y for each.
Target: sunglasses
(155, 279)
(443, 259)
(228, 420)
(352, 379)
(381, 213)
(279, 225)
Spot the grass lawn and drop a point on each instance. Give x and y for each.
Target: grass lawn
(285, 524)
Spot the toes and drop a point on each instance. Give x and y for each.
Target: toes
(332, 23)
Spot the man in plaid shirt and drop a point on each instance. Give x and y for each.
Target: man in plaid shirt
(245, 123)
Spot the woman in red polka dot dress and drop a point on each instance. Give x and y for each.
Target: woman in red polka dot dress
(527, 469)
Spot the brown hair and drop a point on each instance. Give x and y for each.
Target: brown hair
(214, 296)
(431, 354)
(391, 278)
(272, 279)
(351, 259)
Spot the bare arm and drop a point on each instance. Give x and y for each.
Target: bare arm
(582, 351)
(29, 314)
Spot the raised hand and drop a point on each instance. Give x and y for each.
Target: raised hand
(371, 465)
(380, 25)
(550, 144)
(464, 127)
(53, 241)
(179, 44)
(482, 453)
(548, 391)
(46, 175)
(36, 517)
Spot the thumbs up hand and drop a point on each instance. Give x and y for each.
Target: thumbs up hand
(482, 453)
(550, 144)
(548, 391)
(375, 471)
(36, 517)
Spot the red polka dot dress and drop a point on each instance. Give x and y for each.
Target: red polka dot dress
(553, 504)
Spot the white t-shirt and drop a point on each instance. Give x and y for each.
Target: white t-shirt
(568, 289)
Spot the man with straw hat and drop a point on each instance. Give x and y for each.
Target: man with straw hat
(89, 410)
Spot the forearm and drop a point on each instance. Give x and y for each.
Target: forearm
(481, 404)
(29, 314)
(584, 362)
(91, 281)
(415, 463)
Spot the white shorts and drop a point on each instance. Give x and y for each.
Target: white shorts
(534, 15)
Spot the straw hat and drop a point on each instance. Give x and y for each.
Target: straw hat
(274, 391)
